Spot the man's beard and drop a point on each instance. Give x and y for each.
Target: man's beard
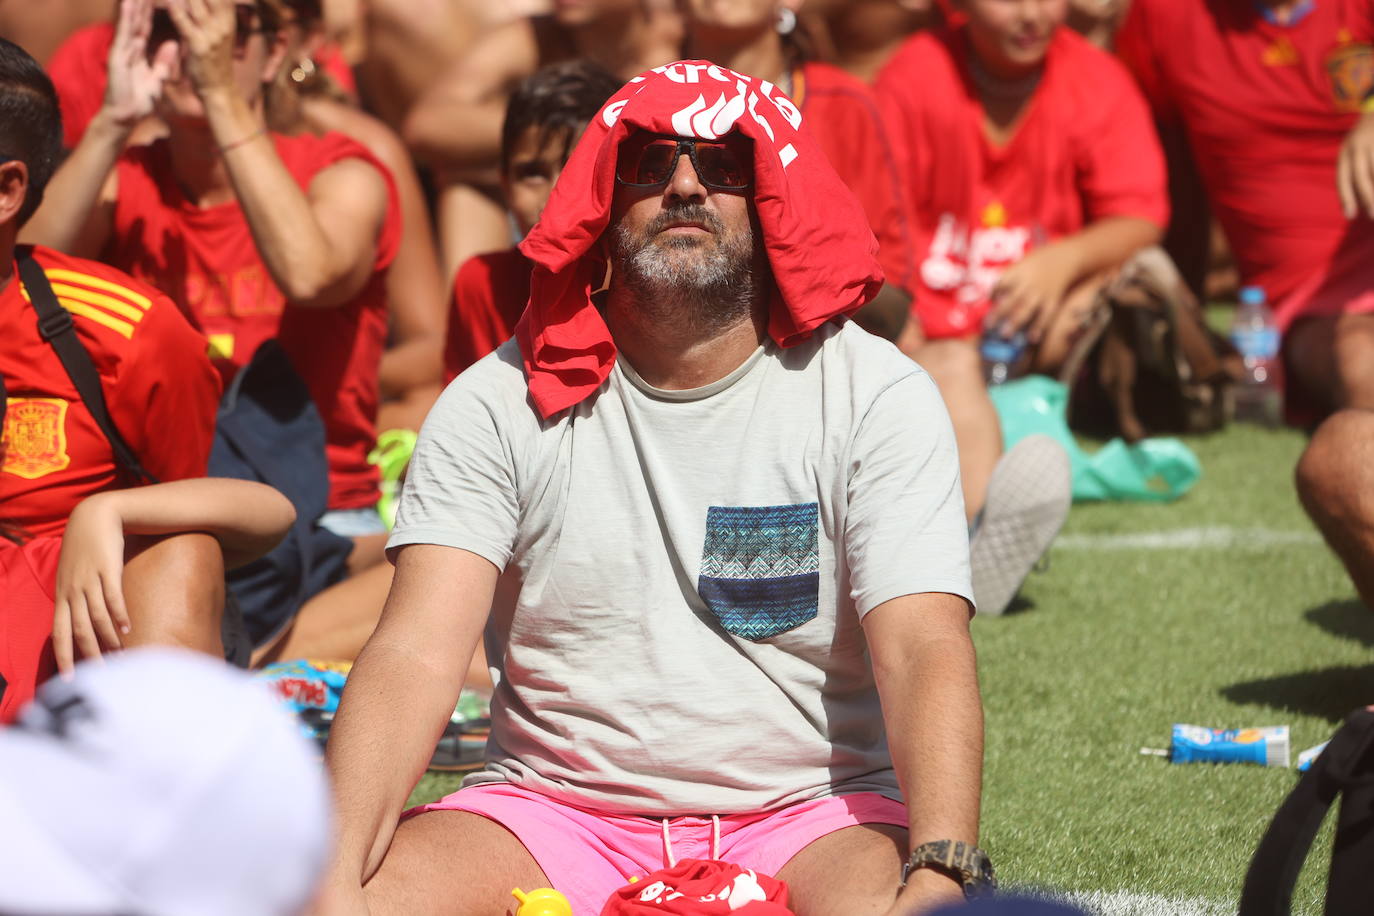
(705, 283)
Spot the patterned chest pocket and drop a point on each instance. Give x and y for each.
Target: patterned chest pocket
(760, 568)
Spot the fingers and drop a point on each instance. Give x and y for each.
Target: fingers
(62, 637)
(113, 588)
(1362, 167)
(83, 634)
(1345, 184)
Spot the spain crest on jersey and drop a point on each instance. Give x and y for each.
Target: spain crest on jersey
(1351, 68)
(35, 437)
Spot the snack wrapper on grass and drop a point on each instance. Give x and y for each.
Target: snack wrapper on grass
(1267, 746)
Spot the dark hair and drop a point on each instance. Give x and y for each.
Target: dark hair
(559, 98)
(30, 121)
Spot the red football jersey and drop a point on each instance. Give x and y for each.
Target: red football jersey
(1085, 149)
(1266, 108)
(489, 294)
(28, 580)
(842, 114)
(160, 388)
(206, 260)
(78, 72)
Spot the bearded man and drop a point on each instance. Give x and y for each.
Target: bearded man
(715, 535)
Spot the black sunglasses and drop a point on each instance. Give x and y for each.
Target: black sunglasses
(247, 23)
(650, 161)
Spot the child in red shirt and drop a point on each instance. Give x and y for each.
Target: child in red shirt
(1033, 172)
(544, 118)
(1277, 103)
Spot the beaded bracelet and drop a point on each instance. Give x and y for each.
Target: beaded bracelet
(228, 147)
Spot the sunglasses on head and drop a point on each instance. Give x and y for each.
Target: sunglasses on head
(247, 23)
(650, 162)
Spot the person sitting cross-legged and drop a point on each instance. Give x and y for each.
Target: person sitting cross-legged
(714, 534)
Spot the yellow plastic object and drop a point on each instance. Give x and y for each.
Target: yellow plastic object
(544, 901)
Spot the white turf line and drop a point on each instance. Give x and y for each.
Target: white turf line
(1190, 539)
(1125, 903)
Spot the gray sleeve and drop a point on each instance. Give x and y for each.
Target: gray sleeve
(460, 490)
(905, 530)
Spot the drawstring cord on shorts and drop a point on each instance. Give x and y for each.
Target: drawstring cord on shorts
(668, 843)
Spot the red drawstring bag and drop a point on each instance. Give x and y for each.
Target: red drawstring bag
(701, 887)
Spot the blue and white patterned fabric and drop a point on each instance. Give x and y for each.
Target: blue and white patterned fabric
(760, 568)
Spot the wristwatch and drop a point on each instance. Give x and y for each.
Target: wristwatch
(963, 862)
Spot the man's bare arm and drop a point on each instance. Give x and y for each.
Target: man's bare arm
(456, 125)
(400, 693)
(926, 672)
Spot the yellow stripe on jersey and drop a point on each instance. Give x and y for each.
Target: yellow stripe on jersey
(109, 303)
(96, 315)
(59, 275)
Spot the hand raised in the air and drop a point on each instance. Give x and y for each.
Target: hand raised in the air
(136, 71)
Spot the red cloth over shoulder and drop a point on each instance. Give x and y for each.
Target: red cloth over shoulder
(701, 887)
(489, 294)
(819, 245)
(207, 261)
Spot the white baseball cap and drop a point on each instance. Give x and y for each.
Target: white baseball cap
(160, 782)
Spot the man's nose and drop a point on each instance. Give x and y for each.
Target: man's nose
(685, 184)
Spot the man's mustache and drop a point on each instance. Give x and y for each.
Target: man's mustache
(688, 213)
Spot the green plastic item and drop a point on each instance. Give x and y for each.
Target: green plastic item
(1154, 470)
(392, 456)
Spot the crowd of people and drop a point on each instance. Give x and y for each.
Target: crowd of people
(689, 303)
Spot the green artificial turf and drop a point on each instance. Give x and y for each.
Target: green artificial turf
(1108, 648)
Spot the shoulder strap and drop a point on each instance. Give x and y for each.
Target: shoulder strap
(1345, 769)
(55, 324)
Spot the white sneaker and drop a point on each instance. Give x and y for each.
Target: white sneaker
(1028, 499)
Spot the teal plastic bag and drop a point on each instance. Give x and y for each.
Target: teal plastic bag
(1155, 470)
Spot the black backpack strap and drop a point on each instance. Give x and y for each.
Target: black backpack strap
(1345, 768)
(55, 324)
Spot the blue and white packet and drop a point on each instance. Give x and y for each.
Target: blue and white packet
(1266, 746)
(1308, 757)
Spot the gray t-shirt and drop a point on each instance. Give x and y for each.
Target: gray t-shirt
(676, 629)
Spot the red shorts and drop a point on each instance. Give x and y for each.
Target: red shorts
(28, 578)
(589, 856)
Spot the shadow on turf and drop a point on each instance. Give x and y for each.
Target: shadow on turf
(1348, 619)
(1329, 693)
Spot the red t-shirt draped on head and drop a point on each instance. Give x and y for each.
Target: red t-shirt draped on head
(1084, 149)
(206, 260)
(1266, 108)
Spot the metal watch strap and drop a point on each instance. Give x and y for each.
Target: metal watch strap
(963, 862)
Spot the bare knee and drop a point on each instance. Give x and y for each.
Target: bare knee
(174, 589)
(954, 364)
(1333, 475)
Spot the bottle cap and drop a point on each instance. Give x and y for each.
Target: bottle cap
(1252, 295)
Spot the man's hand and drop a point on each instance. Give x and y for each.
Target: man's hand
(207, 28)
(1030, 292)
(90, 616)
(926, 890)
(1355, 169)
(135, 80)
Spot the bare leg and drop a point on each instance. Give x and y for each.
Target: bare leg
(368, 551)
(174, 589)
(1331, 358)
(409, 410)
(452, 862)
(334, 624)
(1335, 479)
(958, 370)
(851, 872)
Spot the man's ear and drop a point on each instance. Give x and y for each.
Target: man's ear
(14, 189)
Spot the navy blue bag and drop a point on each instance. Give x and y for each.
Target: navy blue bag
(269, 430)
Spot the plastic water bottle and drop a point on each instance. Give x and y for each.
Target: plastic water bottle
(1000, 354)
(1255, 333)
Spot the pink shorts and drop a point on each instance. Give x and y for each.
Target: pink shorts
(588, 856)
